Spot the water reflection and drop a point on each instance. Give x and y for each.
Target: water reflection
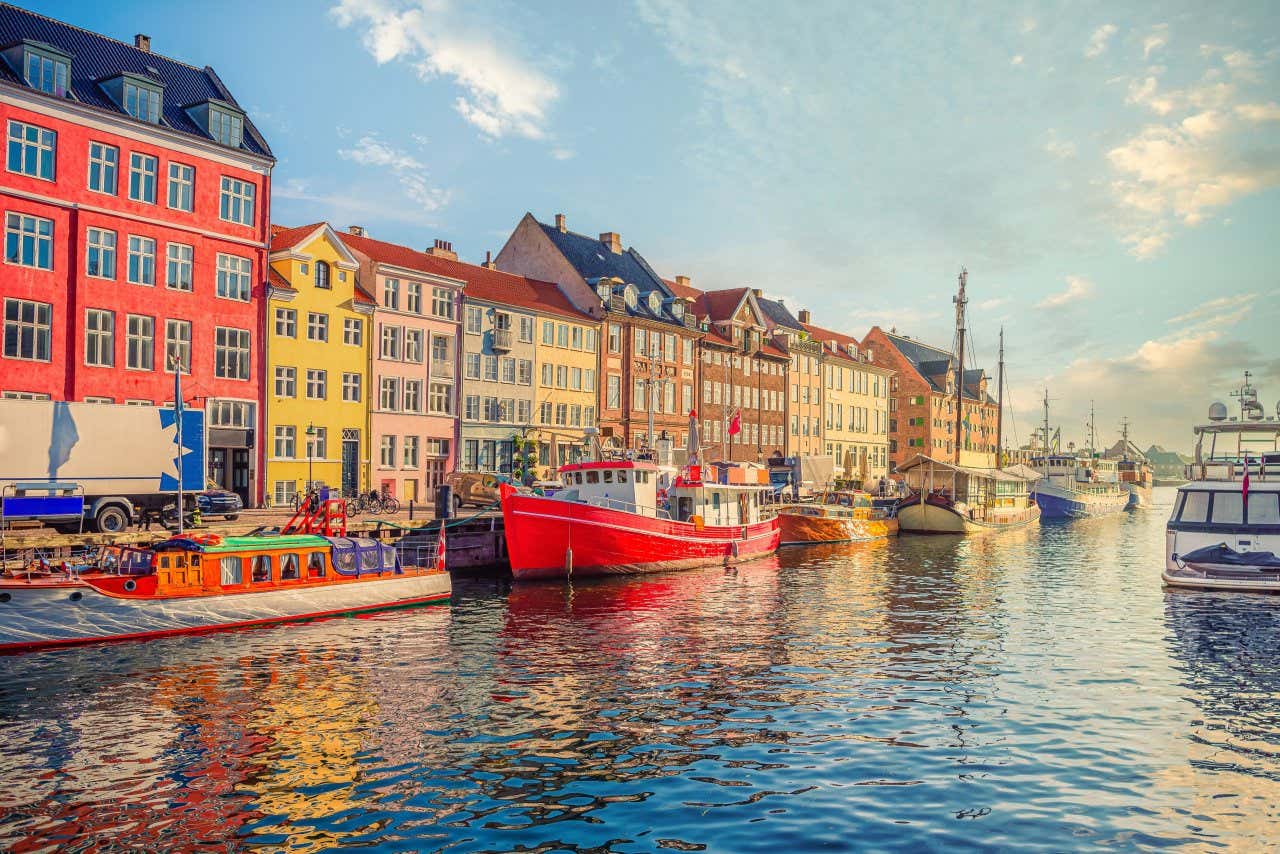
(1035, 689)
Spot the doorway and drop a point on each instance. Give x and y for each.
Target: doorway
(350, 466)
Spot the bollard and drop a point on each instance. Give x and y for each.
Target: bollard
(444, 501)
(410, 509)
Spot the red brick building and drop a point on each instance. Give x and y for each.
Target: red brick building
(135, 201)
(922, 407)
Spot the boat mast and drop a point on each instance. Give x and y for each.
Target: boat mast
(960, 300)
(1047, 451)
(1093, 434)
(1124, 437)
(1000, 405)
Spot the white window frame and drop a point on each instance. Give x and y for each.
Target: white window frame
(182, 180)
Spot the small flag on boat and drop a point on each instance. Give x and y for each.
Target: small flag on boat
(735, 423)
(440, 548)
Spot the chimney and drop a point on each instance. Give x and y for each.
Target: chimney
(142, 42)
(560, 226)
(443, 249)
(803, 315)
(757, 293)
(613, 240)
(357, 230)
(488, 261)
(683, 281)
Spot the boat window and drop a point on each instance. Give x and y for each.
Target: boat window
(195, 560)
(261, 568)
(1264, 508)
(608, 477)
(593, 477)
(315, 564)
(622, 477)
(369, 558)
(232, 572)
(642, 477)
(288, 567)
(1195, 507)
(164, 562)
(1228, 508)
(388, 556)
(715, 501)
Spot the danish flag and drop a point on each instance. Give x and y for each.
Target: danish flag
(735, 423)
(440, 548)
(1244, 486)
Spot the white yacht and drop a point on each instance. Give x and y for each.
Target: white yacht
(1224, 532)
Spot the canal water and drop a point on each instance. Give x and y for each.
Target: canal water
(1035, 689)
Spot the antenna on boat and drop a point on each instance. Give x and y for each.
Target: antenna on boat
(1093, 433)
(1000, 405)
(961, 301)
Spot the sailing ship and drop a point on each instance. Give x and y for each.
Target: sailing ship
(203, 583)
(610, 518)
(948, 498)
(839, 516)
(1224, 531)
(1074, 486)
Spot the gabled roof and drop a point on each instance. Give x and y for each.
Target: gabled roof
(719, 305)
(520, 292)
(767, 347)
(932, 363)
(685, 291)
(283, 237)
(778, 314)
(98, 58)
(381, 252)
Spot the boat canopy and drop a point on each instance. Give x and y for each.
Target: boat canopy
(1018, 473)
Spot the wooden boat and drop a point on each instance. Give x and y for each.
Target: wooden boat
(608, 520)
(951, 499)
(840, 516)
(188, 585)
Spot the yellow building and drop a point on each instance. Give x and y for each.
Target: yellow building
(567, 370)
(317, 382)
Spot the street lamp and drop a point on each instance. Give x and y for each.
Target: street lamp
(311, 435)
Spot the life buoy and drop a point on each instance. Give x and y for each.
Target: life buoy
(662, 495)
(207, 539)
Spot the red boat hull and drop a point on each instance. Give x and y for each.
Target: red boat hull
(547, 538)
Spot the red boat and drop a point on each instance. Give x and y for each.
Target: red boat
(609, 520)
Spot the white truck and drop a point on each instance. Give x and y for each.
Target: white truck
(802, 476)
(92, 464)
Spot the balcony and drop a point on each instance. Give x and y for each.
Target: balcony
(442, 370)
(501, 341)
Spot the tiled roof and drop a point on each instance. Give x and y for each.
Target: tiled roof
(275, 280)
(287, 238)
(686, 291)
(382, 252)
(768, 348)
(719, 305)
(930, 363)
(96, 58)
(777, 313)
(826, 336)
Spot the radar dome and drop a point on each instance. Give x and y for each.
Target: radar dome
(1217, 412)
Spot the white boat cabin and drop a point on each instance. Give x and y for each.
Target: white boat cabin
(712, 502)
(627, 485)
(632, 486)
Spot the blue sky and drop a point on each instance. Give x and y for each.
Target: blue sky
(1107, 172)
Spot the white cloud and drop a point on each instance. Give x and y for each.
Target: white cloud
(1017, 60)
(563, 153)
(408, 170)
(1158, 38)
(1060, 148)
(347, 206)
(1078, 288)
(1216, 313)
(1098, 41)
(1028, 25)
(990, 304)
(505, 95)
(1269, 112)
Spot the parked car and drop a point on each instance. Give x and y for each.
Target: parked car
(219, 502)
(477, 488)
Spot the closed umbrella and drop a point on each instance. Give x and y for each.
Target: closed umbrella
(694, 452)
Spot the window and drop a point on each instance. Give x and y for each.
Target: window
(526, 330)
(315, 565)
(548, 374)
(475, 320)
(177, 345)
(28, 329)
(389, 394)
(233, 277)
(1264, 508)
(413, 297)
(615, 338)
(322, 275)
(351, 391)
(391, 294)
(47, 72)
(548, 333)
(231, 569)
(289, 564)
(142, 178)
(1228, 508)
(688, 350)
(638, 396)
(413, 395)
(471, 366)
(613, 392)
(140, 343)
(524, 372)
(142, 260)
(353, 331)
(142, 102)
(100, 256)
(286, 382)
(231, 353)
(388, 455)
(317, 384)
(562, 335)
(411, 452)
(182, 181)
(391, 340)
(686, 398)
(562, 414)
(442, 303)
(226, 127)
(413, 345)
(490, 368)
(103, 162)
(32, 150)
(442, 353)
(544, 412)
(508, 369)
(28, 241)
(440, 401)
(591, 341)
(178, 270)
(317, 326)
(575, 378)
(99, 337)
(562, 376)
(471, 407)
(237, 201)
(286, 323)
(317, 442)
(576, 337)
(524, 409)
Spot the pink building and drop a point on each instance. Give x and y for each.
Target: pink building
(414, 356)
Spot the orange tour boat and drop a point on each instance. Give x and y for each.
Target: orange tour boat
(839, 516)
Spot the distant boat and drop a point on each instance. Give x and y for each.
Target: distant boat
(1073, 486)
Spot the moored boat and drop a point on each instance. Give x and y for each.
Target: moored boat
(951, 499)
(1224, 531)
(839, 516)
(188, 585)
(1076, 486)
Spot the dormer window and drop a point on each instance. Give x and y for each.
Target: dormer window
(677, 310)
(603, 290)
(47, 69)
(631, 296)
(142, 101)
(226, 127)
(655, 302)
(322, 274)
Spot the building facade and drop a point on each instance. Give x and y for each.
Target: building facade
(922, 405)
(648, 364)
(567, 374)
(414, 353)
(804, 378)
(317, 352)
(136, 195)
(855, 402)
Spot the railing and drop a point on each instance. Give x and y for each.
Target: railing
(627, 507)
(502, 339)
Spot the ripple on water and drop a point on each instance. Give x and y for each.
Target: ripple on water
(1035, 689)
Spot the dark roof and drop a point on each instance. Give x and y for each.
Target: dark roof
(593, 260)
(930, 362)
(776, 312)
(96, 58)
(719, 306)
